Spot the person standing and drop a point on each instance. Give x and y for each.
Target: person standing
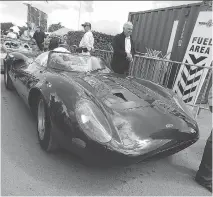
(64, 39)
(28, 34)
(54, 42)
(204, 174)
(39, 37)
(123, 50)
(87, 41)
(46, 43)
(64, 42)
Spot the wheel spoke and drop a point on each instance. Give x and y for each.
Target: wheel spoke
(5, 75)
(41, 120)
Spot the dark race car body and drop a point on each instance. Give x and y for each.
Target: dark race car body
(3, 54)
(9, 45)
(96, 113)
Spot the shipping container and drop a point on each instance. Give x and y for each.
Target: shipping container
(153, 28)
(167, 30)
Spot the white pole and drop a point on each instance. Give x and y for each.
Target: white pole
(90, 14)
(79, 16)
(39, 22)
(27, 9)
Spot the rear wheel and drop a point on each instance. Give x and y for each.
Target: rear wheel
(7, 80)
(45, 137)
(2, 66)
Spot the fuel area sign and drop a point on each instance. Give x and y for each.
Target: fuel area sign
(199, 52)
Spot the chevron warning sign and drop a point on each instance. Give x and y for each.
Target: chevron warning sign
(190, 79)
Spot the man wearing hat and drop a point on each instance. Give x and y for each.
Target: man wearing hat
(87, 42)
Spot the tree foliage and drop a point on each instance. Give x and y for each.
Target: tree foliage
(102, 41)
(6, 26)
(55, 27)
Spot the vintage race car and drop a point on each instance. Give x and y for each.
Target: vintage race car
(82, 106)
(14, 45)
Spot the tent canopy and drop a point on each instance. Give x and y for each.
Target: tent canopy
(62, 31)
(15, 29)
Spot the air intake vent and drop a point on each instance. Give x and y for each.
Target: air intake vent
(120, 95)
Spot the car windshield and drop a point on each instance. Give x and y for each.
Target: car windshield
(76, 62)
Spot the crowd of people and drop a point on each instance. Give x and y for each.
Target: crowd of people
(123, 45)
(52, 41)
(43, 41)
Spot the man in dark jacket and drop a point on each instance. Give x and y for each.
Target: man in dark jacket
(204, 174)
(39, 38)
(123, 50)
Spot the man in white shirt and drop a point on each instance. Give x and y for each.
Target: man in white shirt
(123, 50)
(87, 42)
(28, 34)
(11, 34)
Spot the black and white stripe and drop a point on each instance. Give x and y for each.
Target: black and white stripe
(189, 78)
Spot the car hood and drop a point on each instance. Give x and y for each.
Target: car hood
(121, 93)
(147, 109)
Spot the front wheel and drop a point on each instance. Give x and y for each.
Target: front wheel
(45, 137)
(7, 80)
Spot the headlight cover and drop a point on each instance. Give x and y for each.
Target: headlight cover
(93, 122)
(132, 144)
(182, 105)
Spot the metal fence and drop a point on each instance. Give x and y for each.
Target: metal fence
(164, 72)
(106, 55)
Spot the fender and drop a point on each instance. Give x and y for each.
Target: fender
(15, 56)
(61, 99)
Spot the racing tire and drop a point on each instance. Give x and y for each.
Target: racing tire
(45, 137)
(7, 80)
